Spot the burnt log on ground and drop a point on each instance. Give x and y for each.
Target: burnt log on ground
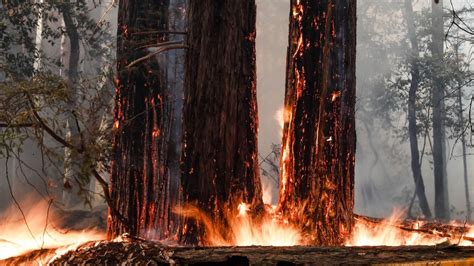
(451, 231)
(141, 252)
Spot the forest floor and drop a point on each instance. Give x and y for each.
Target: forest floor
(141, 252)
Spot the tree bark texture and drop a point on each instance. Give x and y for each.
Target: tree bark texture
(175, 60)
(412, 109)
(318, 153)
(219, 160)
(139, 180)
(439, 116)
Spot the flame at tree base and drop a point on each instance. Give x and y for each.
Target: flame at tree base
(243, 230)
(240, 230)
(272, 230)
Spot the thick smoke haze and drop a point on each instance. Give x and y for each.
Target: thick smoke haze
(384, 179)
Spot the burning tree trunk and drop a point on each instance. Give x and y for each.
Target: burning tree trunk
(317, 177)
(439, 116)
(139, 164)
(219, 163)
(412, 125)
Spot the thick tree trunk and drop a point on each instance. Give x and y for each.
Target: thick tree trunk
(219, 162)
(439, 116)
(318, 153)
(175, 91)
(412, 125)
(139, 185)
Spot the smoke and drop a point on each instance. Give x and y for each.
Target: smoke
(383, 176)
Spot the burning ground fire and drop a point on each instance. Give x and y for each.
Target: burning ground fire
(393, 231)
(17, 239)
(40, 232)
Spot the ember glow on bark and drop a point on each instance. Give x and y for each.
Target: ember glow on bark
(16, 238)
(318, 145)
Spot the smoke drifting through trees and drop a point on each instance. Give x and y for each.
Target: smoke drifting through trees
(383, 162)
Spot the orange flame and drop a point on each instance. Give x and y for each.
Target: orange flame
(17, 239)
(243, 230)
(387, 233)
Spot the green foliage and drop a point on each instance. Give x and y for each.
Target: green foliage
(36, 95)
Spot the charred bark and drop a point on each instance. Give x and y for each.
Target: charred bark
(139, 180)
(439, 116)
(412, 109)
(219, 162)
(318, 153)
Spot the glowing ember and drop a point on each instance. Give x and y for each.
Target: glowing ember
(16, 238)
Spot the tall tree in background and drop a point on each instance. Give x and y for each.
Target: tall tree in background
(219, 162)
(412, 109)
(439, 115)
(461, 120)
(318, 154)
(72, 163)
(139, 185)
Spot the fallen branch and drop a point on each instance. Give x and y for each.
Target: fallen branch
(430, 228)
(160, 50)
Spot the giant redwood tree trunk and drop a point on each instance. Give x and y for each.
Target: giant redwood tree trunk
(317, 166)
(139, 157)
(219, 163)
